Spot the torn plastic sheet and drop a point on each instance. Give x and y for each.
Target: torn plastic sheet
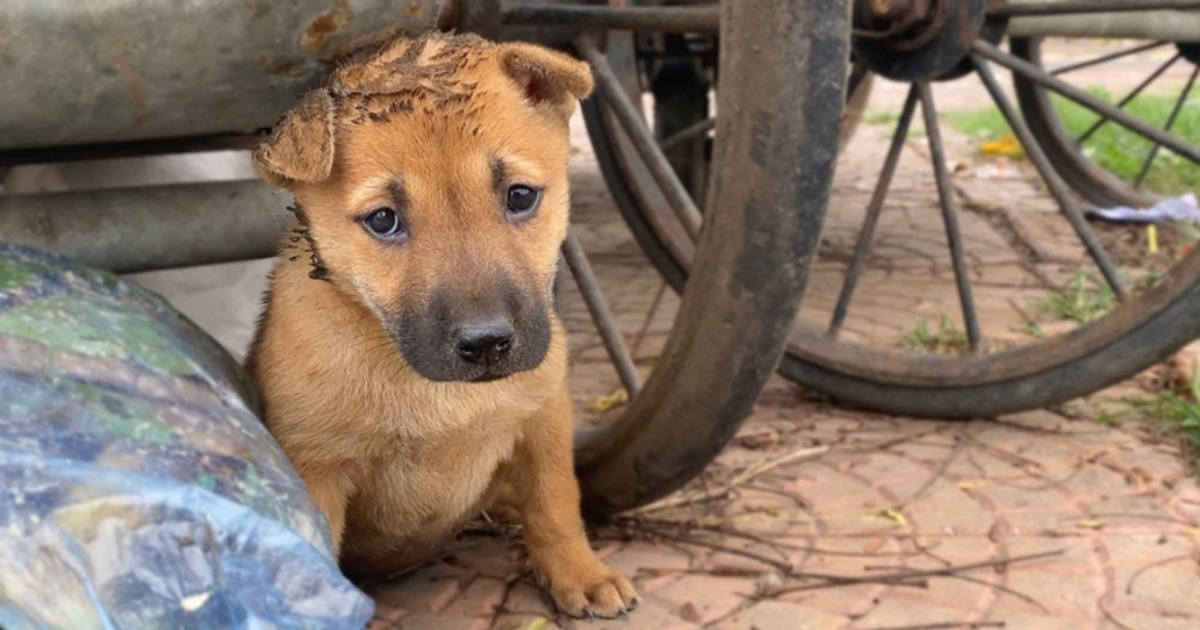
(1183, 208)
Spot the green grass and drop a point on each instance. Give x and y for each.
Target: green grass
(1170, 410)
(1082, 298)
(1116, 149)
(946, 339)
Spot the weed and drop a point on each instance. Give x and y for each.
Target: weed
(1176, 410)
(947, 339)
(1082, 298)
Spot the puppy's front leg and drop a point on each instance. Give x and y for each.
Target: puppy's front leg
(331, 492)
(548, 498)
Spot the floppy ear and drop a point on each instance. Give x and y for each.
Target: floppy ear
(300, 147)
(547, 77)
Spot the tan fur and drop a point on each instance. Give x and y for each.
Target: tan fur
(397, 462)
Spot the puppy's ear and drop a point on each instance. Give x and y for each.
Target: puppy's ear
(547, 77)
(300, 147)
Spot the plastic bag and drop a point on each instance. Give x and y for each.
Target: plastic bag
(138, 488)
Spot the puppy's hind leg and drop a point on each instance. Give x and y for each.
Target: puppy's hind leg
(547, 496)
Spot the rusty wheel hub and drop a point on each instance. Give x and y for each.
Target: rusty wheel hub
(919, 40)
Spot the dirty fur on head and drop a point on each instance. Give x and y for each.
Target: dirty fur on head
(400, 76)
(425, 379)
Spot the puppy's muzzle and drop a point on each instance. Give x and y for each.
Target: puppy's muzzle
(475, 336)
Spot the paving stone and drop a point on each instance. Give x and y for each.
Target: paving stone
(777, 615)
(710, 598)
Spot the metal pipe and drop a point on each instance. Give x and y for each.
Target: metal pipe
(106, 71)
(659, 19)
(158, 227)
(1173, 26)
(639, 134)
(1009, 8)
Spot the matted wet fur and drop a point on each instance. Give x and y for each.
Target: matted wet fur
(409, 358)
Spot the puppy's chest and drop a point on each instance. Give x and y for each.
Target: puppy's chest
(424, 490)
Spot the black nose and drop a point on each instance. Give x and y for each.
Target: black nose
(483, 342)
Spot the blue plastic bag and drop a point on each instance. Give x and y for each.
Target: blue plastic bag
(138, 488)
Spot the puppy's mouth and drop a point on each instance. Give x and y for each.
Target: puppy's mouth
(488, 377)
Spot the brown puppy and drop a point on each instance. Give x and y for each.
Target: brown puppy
(410, 361)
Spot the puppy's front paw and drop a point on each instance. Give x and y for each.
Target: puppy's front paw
(589, 589)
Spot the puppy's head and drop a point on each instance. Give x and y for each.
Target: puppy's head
(431, 178)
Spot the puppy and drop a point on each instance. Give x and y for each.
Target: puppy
(410, 361)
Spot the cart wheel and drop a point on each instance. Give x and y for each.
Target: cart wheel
(1141, 173)
(732, 324)
(1145, 324)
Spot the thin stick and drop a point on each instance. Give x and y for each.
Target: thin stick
(906, 575)
(950, 625)
(750, 473)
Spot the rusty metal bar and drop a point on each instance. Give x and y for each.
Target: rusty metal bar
(874, 209)
(606, 325)
(643, 140)
(107, 71)
(153, 227)
(1172, 26)
(687, 133)
(79, 153)
(1041, 77)
(1066, 7)
(1129, 97)
(1054, 182)
(1183, 97)
(941, 175)
(1105, 58)
(660, 19)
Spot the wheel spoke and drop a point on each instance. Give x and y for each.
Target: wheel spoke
(642, 138)
(1066, 7)
(1183, 97)
(586, 281)
(688, 133)
(1129, 97)
(1106, 58)
(1037, 75)
(949, 215)
(1057, 188)
(874, 209)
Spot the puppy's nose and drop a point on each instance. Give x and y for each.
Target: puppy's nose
(483, 342)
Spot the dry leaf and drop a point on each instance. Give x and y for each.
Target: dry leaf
(604, 403)
(1091, 524)
(971, 485)
(538, 624)
(689, 613)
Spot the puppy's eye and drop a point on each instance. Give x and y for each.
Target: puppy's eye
(522, 199)
(384, 223)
